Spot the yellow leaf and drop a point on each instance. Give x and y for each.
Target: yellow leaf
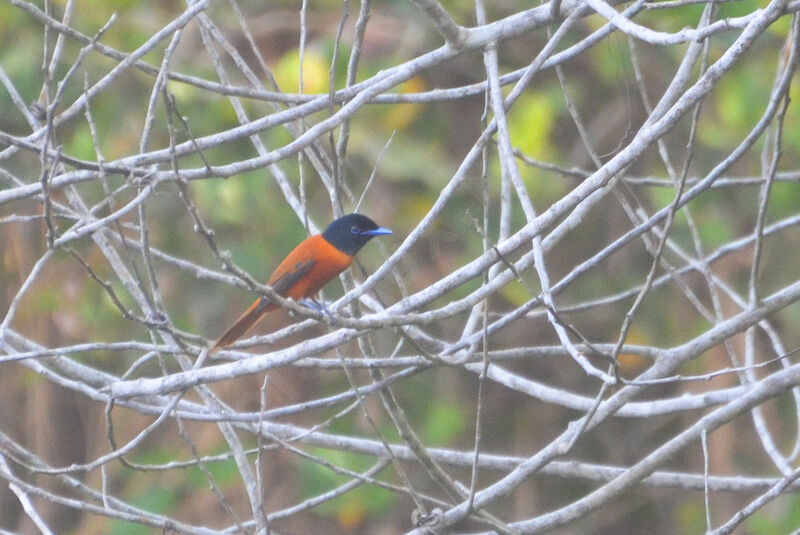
(350, 514)
(630, 363)
(400, 116)
(530, 122)
(315, 72)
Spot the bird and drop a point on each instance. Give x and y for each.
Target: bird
(309, 267)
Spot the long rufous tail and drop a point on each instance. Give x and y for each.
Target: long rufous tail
(240, 326)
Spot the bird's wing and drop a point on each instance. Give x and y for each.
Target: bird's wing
(282, 284)
(285, 281)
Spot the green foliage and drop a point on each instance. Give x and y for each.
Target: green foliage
(731, 117)
(224, 473)
(516, 294)
(531, 123)
(445, 423)
(155, 499)
(690, 516)
(780, 517)
(350, 508)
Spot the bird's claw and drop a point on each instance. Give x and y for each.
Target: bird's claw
(318, 306)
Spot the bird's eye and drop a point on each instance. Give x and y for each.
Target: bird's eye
(355, 230)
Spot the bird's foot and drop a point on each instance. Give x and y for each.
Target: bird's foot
(318, 306)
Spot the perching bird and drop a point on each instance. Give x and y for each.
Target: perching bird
(309, 267)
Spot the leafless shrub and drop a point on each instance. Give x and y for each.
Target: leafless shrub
(512, 299)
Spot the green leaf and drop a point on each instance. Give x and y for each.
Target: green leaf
(530, 123)
(445, 423)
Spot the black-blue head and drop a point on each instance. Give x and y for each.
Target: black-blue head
(352, 232)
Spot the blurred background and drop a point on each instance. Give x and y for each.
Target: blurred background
(250, 217)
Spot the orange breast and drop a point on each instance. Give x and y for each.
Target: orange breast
(328, 263)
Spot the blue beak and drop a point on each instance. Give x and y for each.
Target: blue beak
(377, 232)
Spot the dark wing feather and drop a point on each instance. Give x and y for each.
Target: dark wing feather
(281, 286)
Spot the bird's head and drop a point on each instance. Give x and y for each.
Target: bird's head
(352, 232)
